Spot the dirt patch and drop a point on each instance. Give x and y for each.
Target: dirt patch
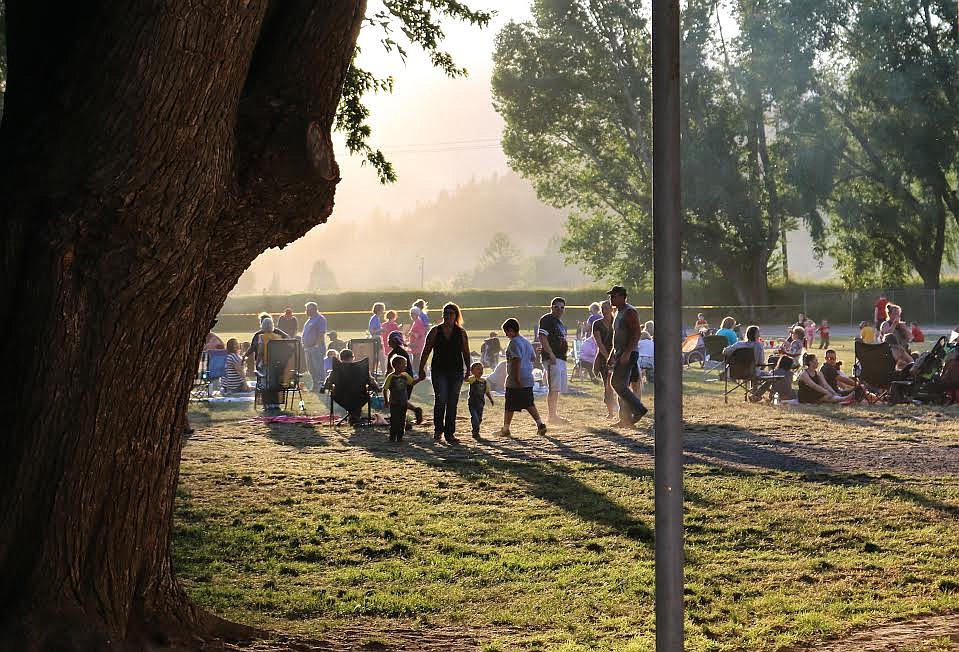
(934, 633)
(374, 638)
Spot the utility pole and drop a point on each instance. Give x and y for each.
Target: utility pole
(667, 305)
(422, 266)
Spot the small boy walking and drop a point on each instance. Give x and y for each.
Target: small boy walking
(396, 394)
(824, 334)
(478, 393)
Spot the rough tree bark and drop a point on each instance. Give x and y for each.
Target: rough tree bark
(149, 152)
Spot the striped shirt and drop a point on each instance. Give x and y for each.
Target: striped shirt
(233, 380)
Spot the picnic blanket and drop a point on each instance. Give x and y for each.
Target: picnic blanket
(290, 418)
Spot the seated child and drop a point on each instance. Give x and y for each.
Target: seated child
(331, 355)
(490, 350)
(396, 393)
(478, 393)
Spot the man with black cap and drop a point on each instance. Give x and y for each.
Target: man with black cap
(624, 356)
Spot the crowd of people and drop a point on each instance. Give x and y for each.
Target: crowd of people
(795, 358)
(611, 346)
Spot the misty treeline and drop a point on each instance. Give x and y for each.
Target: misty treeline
(451, 235)
(839, 114)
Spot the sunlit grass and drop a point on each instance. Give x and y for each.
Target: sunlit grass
(308, 530)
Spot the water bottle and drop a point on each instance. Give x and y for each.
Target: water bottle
(776, 398)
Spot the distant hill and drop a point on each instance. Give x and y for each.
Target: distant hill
(449, 232)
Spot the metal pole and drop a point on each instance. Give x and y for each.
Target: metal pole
(667, 304)
(852, 303)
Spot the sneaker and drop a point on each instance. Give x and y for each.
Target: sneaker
(437, 436)
(452, 441)
(639, 415)
(418, 413)
(476, 434)
(540, 428)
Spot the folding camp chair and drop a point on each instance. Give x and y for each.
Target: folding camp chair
(876, 366)
(212, 368)
(349, 387)
(281, 373)
(715, 361)
(741, 369)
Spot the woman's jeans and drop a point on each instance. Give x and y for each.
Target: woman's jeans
(446, 389)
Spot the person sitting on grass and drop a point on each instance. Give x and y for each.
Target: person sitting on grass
(397, 387)
(234, 380)
(835, 378)
(519, 378)
(331, 356)
(476, 400)
(813, 387)
(490, 350)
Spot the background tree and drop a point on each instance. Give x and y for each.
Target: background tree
(322, 277)
(573, 87)
(246, 284)
(498, 266)
(137, 145)
(892, 94)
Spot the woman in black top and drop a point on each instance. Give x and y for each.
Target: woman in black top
(813, 387)
(449, 345)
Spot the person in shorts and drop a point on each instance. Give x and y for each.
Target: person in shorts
(552, 337)
(519, 378)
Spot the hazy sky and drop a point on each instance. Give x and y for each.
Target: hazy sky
(438, 132)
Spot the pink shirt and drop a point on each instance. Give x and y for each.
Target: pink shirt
(388, 327)
(417, 337)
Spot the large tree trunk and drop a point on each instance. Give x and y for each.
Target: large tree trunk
(149, 153)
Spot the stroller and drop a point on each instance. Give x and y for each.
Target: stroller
(926, 382)
(694, 350)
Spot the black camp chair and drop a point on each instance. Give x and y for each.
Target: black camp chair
(350, 388)
(741, 370)
(281, 373)
(877, 367)
(715, 360)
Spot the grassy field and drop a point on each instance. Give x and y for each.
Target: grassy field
(802, 524)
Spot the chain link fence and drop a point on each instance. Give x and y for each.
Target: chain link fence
(924, 306)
